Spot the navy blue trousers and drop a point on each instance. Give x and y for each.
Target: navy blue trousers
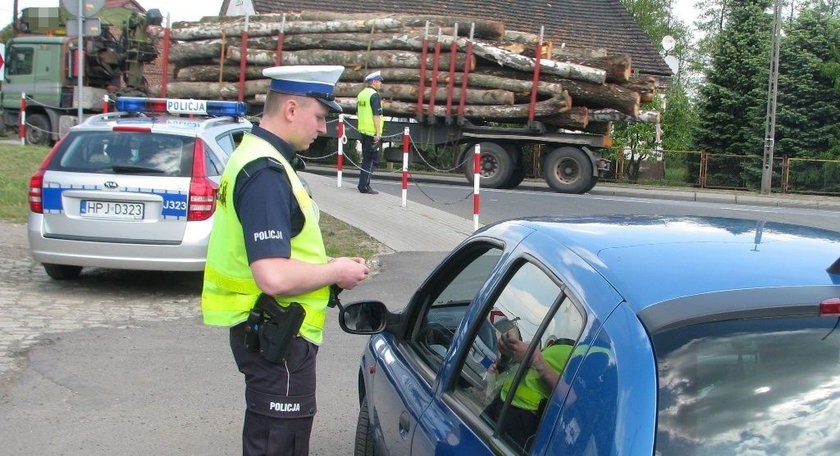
(280, 398)
(370, 158)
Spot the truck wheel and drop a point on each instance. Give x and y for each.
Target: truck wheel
(591, 185)
(516, 177)
(568, 170)
(518, 174)
(38, 130)
(496, 165)
(364, 433)
(62, 271)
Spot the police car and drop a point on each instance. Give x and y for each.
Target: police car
(664, 336)
(133, 189)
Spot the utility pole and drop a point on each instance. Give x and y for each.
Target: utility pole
(15, 18)
(772, 91)
(80, 61)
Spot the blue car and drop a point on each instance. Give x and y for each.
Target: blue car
(662, 336)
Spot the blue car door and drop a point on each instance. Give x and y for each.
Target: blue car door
(402, 371)
(508, 362)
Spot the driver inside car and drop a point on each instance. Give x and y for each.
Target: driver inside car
(530, 396)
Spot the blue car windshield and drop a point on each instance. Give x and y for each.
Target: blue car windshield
(762, 386)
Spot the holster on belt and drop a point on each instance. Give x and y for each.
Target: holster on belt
(271, 328)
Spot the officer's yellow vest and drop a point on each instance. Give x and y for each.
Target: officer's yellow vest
(532, 389)
(229, 288)
(365, 112)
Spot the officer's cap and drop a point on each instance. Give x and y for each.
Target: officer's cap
(375, 76)
(316, 81)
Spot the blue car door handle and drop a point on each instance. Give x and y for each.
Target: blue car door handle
(405, 424)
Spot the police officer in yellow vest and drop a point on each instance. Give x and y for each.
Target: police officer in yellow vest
(266, 246)
(371, 126)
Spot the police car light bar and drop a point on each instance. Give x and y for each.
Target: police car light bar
(181, 106)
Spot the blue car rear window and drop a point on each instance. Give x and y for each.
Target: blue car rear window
(763, 386)
(122, 152)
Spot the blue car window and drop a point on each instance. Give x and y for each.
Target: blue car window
(757, 386)
(531, 318)
(449, 300)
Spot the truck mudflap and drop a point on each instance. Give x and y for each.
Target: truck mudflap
(600, 164)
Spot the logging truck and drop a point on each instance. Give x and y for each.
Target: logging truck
(571, 162)
(505, 91)
(41, 63)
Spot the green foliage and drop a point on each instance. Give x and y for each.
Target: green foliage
(638, 140)
(652, 16)
(809, 88)
(17, 164)
(679, 119)
(733, 100)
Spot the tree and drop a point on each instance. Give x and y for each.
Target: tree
(808, 120)
(733, 99)
(639, 140)
(678, 119)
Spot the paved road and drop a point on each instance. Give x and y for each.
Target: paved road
(118, 362)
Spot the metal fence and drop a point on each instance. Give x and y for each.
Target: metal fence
(728, 171)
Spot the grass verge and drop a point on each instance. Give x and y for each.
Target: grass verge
(18, 163)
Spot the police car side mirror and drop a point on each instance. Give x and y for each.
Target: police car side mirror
(363, 317)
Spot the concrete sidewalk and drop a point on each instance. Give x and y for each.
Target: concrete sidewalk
(414, 228)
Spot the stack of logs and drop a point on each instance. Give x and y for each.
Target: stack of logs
(575, 93)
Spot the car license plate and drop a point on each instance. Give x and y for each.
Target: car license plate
(112, 209)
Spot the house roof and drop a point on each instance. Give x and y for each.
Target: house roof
(580, 24)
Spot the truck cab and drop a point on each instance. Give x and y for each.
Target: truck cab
(41, 63)
(41, 68)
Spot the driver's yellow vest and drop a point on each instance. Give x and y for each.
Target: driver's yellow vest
(229, 288)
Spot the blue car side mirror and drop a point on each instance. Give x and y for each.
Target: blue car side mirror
(363, 317)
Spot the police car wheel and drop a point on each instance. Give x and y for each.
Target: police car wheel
(62, 271)
(364, 432)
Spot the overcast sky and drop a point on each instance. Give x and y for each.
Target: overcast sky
(190, 10)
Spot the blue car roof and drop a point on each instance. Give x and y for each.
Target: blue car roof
(649, 260)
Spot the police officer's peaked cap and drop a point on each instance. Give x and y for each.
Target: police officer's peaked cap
(375, 76)
(316, 81)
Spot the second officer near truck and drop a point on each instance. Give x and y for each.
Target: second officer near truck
(371, 125)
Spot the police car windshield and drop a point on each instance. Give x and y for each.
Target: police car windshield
(763, 386)
(125, 153)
